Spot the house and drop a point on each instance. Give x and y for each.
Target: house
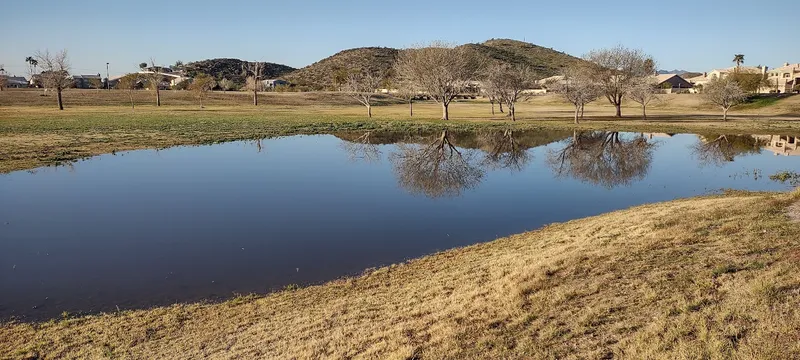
(169, 77)
(673, 83)
(16, 82)
(87, 81)
(784, 79)
(723, 73)
(272, 83)
(781, 145)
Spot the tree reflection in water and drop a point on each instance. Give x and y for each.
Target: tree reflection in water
(362, 148)
(719, 149)
(438, 169)
(603, 158)
(504, 151)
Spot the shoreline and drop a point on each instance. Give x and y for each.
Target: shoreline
(588, 286)
(34, 136)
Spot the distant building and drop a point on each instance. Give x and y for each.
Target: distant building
(87, 81)
(723, 73)
(170, 77)
(17, 82)
(783, 79)
(272, 83)
(673, 83)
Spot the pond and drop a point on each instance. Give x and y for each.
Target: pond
(145, 228)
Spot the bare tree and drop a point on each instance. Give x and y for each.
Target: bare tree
(154, 77)
(509, 83)
(407, 92)
(253, 71)
(617, 69)
(724, 93)
(436, 170)
(55, 72)
(201, 85)
(130, 83)
(491, 93)
(440, 70)
(3, 77)
(643, 92)
(577, 88)
(361, 86)
(226, 84)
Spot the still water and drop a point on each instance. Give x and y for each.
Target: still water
(146, 228)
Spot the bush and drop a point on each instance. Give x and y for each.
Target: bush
(183, 85)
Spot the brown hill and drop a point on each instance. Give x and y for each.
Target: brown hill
(231, 69)
(326, 73)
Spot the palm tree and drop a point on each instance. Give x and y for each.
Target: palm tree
(738, 59)
(32, 63)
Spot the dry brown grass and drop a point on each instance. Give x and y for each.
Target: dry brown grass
(711, 277)
(33, 133)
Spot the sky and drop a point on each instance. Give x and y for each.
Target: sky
(697, 35)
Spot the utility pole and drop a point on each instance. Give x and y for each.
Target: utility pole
(108, 86)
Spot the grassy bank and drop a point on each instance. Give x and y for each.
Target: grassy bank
(710, 277)
(33, 134)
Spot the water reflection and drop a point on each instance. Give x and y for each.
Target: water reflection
(438, 169)
(719, 149)
(150, 228)
(603, 158)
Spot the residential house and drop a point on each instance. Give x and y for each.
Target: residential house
(87, 81)
(784, 79)
(16, 82)
(780, 144)
(272, 83)
(723, 73)
(673, 83)
(170, 77)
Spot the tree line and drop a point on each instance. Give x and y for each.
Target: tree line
(442, 72)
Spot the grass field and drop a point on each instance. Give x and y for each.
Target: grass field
(711, 277)
(33, 133)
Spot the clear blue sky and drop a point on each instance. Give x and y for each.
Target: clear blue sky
(694, 35)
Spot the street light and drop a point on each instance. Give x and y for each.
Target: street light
(108, 86)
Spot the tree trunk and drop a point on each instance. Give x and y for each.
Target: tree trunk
(619, 109)
(724, 113)
(255, 96)
(158, 96)
(445, 113)
(644, 111)
(201, 101)
(492, 107)
(369, 111)
(582, 106)
(411, 108)
(577, 111)
(60, 102)
(501, 105)
(513, 111)
(130, 94)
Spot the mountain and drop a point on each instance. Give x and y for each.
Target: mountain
(546, 61)
(677, 72)
(231, 69)
(325, 73)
